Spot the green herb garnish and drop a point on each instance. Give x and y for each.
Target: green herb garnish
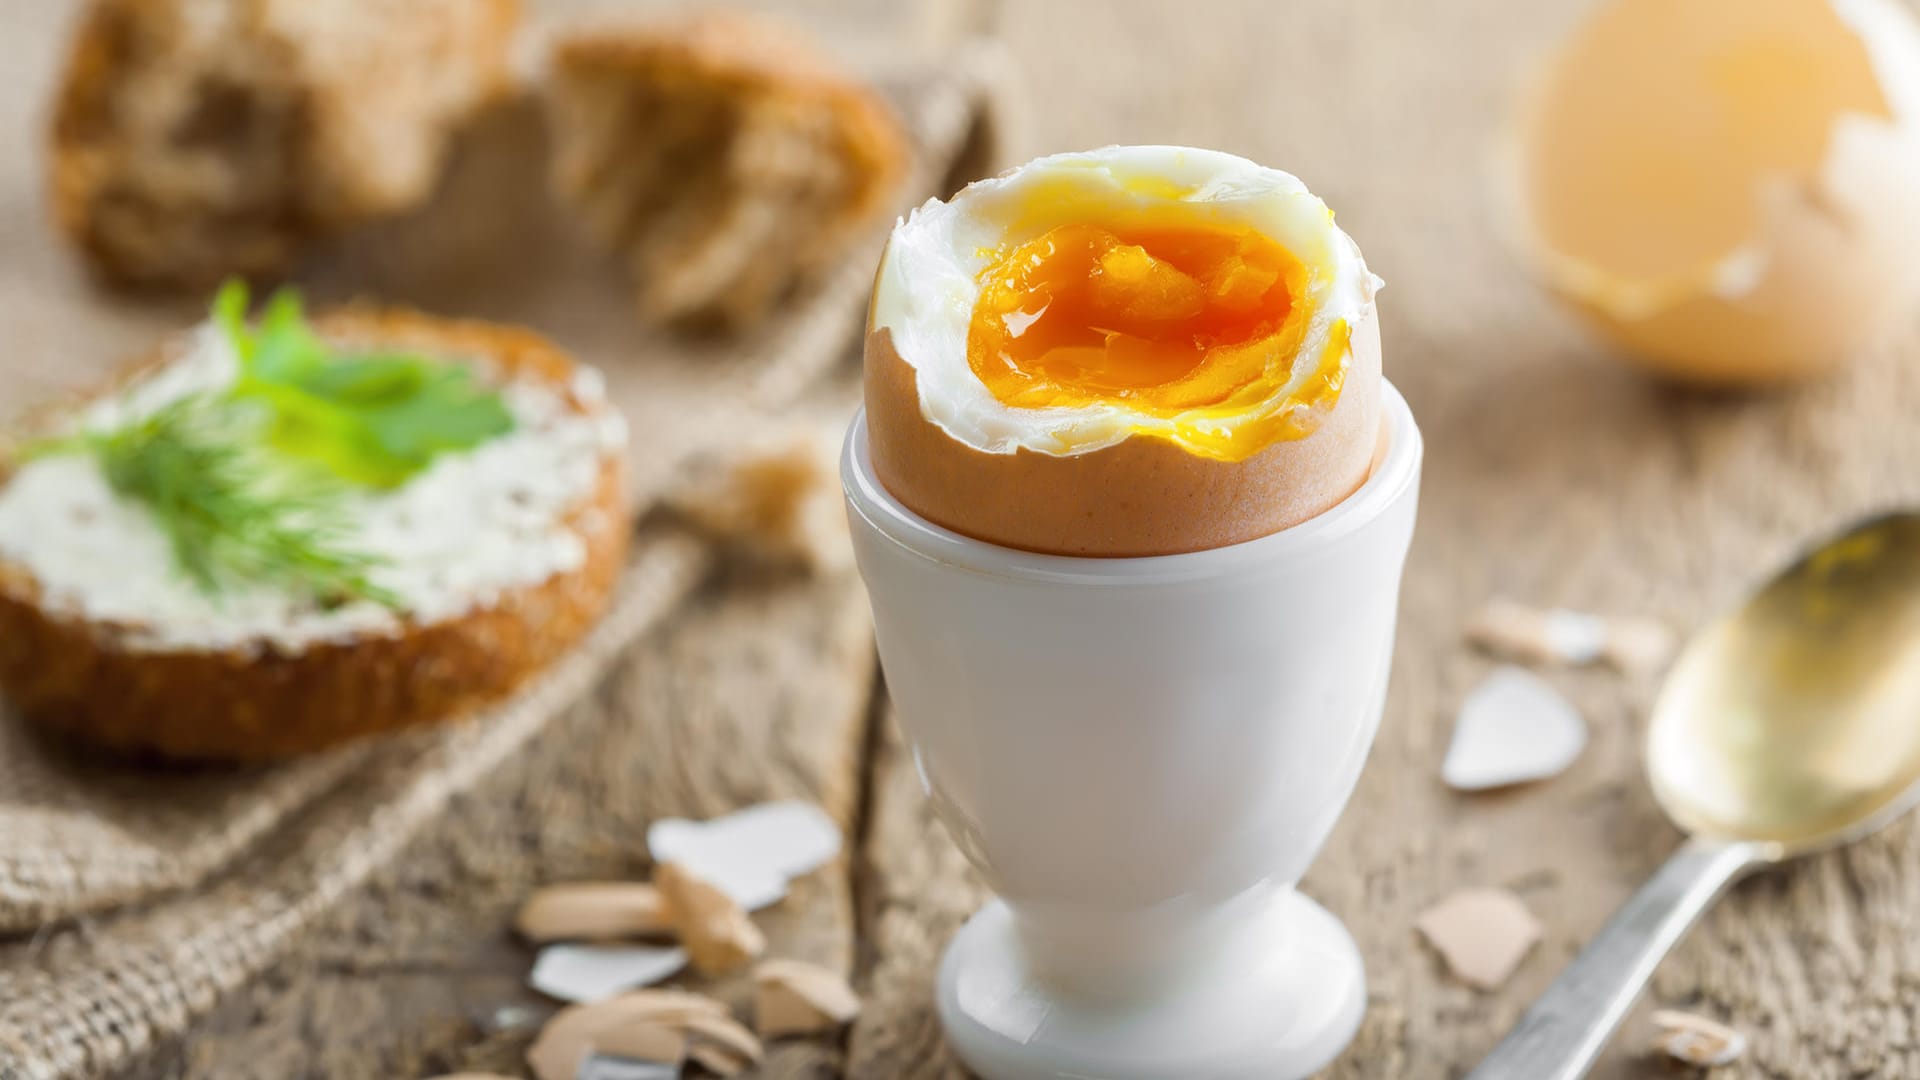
(232, 510)
(374, 419)
(249, 484)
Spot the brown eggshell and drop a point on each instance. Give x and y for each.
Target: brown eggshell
(1841, 279)
(1142, 496)
(1627, 209)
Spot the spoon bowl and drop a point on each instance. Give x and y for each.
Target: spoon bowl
(1791, 724)
(1794, 721)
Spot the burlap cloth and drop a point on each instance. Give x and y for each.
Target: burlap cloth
(188, 883)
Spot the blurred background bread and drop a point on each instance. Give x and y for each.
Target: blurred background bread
(193, 139)
(725, 158)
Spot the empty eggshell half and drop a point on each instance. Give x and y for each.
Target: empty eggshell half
(1729, 189)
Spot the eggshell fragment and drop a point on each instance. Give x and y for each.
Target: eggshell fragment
(1696, 1040)
(1767, 230)
(1639, 646)
(793, 998)
(1482, 934)
(719, 936)
(721, 1033)
(1631, 644)
(592, 911)
(1144, 496)
(641, 1042)
(567, 1039)
(718, 1060)
(601, 1067)
(1513, 728)
(591, 972)
(750, 853)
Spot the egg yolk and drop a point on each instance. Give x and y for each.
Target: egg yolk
(1191, 321)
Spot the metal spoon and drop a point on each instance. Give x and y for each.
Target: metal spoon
(1789, 726)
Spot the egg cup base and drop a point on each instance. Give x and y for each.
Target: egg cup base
(1280, 1006)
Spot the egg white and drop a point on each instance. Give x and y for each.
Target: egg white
(928, 281)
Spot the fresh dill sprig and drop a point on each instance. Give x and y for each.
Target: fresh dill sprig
(233, 511)
(248, 483)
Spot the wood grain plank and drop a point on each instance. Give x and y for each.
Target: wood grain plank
(757, 691)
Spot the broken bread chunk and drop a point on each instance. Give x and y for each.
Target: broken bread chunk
(724, 158)
(776, 497)
(198, 138)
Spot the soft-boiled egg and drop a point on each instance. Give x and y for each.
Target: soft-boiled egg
(1139, 350)
(1730, 189)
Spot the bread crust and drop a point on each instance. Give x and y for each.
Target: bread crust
(71, 677)
(797, 159)
(193, 139)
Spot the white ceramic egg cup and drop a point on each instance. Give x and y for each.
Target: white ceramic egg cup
(1143, 756)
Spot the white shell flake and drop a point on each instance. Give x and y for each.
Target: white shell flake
(602, 1067)
(750, 854)
(591, 972)
(1513, 728)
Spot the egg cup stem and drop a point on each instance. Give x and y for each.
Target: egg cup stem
(1143, 756)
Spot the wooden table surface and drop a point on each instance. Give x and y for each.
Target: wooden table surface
(1554, 475)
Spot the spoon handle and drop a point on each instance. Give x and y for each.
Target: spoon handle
(1560, 1036)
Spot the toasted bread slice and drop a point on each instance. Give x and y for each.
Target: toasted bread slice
(193, 139)
(213, 685)
(726, 158)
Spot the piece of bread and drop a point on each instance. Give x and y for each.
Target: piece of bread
(775, 497)
(725, 158)
(193, 139)
(92, 679)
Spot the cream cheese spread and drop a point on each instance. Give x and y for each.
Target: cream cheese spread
(471, 527)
